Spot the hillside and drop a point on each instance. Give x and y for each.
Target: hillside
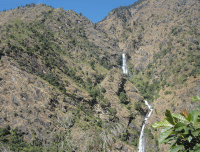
(162, 40)
(62, 87)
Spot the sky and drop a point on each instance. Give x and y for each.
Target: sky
(92, 9)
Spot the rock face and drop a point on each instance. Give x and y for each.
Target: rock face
(61, 82)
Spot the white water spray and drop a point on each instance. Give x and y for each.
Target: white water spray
(141, 147)
(124, 66)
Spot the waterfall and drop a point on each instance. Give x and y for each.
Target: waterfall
(141, 147)
(124, 66)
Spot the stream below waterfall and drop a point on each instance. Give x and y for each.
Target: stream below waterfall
(141, 146)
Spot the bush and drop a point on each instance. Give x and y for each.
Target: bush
(181, 131)
(14, 138)
(103, 90)
(92, 64)
(99, 123)
(123, 98)
(138, 106)
(167, 92)
(52, 79)
(113, 111)
(105, 63)
(149, 134)
(4, 131)
(124, 136)
(186, 68)
(119, 60)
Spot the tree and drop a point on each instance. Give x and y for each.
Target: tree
(119, 60)
(123, 98)
(182, 131)
(92, 64)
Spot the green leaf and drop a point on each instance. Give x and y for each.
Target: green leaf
(196, 98)
(177, 148)
(195, 133)
(162, 124)
(189, 138)
(189, 117)
(179, 116)
(164, 135)
(173, 144)
(169, 117)
(197, 148)
(180, 126)
(169, 138)
(198, 108)
(194, 116)
(186, 131)
(165, 129)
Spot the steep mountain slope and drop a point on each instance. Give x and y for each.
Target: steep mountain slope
(62, 87)
(162, 41)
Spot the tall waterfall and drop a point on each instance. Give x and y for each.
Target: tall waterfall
(124, 66)
(141, 147)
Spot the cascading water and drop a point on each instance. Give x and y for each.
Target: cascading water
(141, 147)
(124, 66)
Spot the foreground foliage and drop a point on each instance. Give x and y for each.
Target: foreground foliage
(181, 131)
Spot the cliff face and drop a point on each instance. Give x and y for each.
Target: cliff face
(61, 80)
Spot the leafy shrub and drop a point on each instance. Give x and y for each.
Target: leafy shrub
(163, 52)
(99, 123)
(124, 136)
(181, 131)
(128, 56)
(163, 83)
(14, 138)
(148, 90)
(193, 73)
(186, 68)
(52, 79)
(149, 134)
(138, 106)
(105, 63)
(92, 64)
(119, 60)
(15, 114)
(103, 90)
(113, 111)
(167, 92)
(123, 98)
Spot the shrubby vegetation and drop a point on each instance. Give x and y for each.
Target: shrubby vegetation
(14, 139)
(148, 91)
(119, 60)
(123, 98)
(105, 63)
(40, 43)
(182, 131)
